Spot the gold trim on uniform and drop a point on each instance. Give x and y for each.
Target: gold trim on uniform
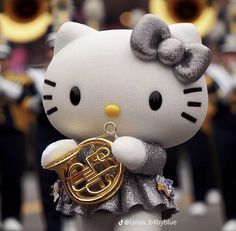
(213, 97)
(20, 112)
(232, 102)
(21, 79)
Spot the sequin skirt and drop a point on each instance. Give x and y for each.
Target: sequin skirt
(136, 189)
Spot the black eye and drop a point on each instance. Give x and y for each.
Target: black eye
(155, 100)
(75, 95)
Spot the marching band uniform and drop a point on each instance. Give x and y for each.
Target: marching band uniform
(225, 133)
(203, 156)
(47, 134)
(200, 152)
(170, 169)
(16, 92)
(44, 136)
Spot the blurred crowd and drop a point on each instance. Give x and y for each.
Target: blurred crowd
(25, 131)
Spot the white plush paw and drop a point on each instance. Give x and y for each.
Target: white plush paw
(56, 150)
(229, 225)
(129, 151)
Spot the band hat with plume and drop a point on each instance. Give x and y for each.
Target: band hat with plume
(62, 12)
(51, 39)
(151, 40)
(5, 49)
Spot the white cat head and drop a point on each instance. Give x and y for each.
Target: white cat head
(96, 77)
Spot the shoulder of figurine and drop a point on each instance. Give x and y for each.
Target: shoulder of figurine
(56, 150)
(19, 78)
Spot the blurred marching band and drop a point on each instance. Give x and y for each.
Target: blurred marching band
(27, 33)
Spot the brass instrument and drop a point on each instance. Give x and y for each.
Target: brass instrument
(24, 21)
(231, 16)
(94, 178)
(202, 13)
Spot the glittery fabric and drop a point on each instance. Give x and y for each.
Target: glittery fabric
(155, 160)
(147, 34)
(151, 39)
(170, 51)
(137, 189)
(194, 64)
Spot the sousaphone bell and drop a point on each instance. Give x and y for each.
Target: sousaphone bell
(24, 21)
(202, 13)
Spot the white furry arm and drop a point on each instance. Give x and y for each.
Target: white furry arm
(56, 150)
(129, 151)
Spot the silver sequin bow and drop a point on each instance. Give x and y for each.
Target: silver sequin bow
(151, 39)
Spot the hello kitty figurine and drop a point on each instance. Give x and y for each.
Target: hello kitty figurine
(149, 83)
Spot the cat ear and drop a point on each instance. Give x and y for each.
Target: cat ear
(185, 32)
(70, 31)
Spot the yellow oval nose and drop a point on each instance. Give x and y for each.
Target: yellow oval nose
(112, 110)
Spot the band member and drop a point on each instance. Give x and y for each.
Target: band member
(225, 127)
(203, 158)
(16, 91)
(44, 136)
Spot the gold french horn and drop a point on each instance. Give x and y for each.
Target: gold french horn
(202, 13)
(94, 177)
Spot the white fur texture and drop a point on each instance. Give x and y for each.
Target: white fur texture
(105, 69)
(69, 32)
(129, 151)
(56, 150)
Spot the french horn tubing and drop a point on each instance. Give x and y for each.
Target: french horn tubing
(91, 178)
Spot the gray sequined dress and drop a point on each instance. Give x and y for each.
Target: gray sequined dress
(138, 188)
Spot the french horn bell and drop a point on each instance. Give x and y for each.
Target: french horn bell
(202, 13)
(24, 21)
